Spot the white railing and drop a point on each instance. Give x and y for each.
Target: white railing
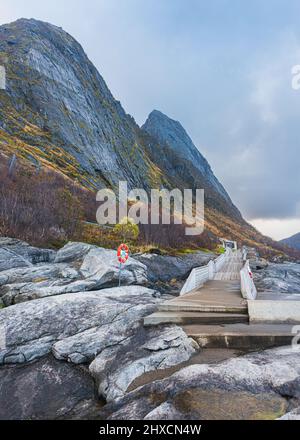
(202, 274)
(219, 262)
(248, 288)
(244, 253)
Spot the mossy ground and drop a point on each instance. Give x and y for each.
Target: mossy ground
(216, 404)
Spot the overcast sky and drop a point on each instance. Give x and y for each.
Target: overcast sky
(220, 67)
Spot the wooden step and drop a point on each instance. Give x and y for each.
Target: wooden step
(185, 318)
(209, 307)
(241, 336)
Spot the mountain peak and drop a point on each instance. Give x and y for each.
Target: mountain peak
(32, 24)
(170, 133)
(158, 114)
(158, 118)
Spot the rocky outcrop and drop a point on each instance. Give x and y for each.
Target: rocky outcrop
(16, 253)
(165, 268)
(103, 328)
(278, 278)
(73, 252)
(102, 266)
(30, 330)
(79, 327)
(29, 390)
(77, 267)
(258, 263)
(256, 386)
(148, 350)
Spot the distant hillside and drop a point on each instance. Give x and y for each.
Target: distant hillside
(292, 242)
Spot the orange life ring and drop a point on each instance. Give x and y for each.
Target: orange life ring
(123, 253)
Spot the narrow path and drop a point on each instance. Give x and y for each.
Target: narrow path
(231, 268)
(216, 315)
(219, 301)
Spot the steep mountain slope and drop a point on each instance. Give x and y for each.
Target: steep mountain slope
(58, 110)
(170, 133)
(181, 160)
(57, 113)
(292, 242)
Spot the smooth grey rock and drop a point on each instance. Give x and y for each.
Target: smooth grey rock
(16, 253)
(165, 411)
(104, 327)
(85, 346)
(165, 268)
(18, 293)
(279, 278)
(72, 251)
(10, 260)
(258, 263)
(46, 389)
(147, 350)
(292, 415)
(102, 266)
(36, 273)
(19, 285)
(85, 268)
(28, 330)
(271, 377)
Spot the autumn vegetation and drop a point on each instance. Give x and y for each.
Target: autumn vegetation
(45, 208)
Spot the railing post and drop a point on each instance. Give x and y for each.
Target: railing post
(211, 270)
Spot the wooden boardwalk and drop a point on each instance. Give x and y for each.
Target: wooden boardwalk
(216, 315)
(214, 296)
(218, 301)
(231, 268)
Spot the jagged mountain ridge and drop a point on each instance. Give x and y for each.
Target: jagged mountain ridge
(171, 133)
(180, 159)
(57, 111)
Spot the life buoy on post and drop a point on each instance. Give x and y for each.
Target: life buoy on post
(123, 253)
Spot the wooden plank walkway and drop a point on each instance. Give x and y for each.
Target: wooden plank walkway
(216, 315)
(231, 268)
(219, 300)
(214, 296)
